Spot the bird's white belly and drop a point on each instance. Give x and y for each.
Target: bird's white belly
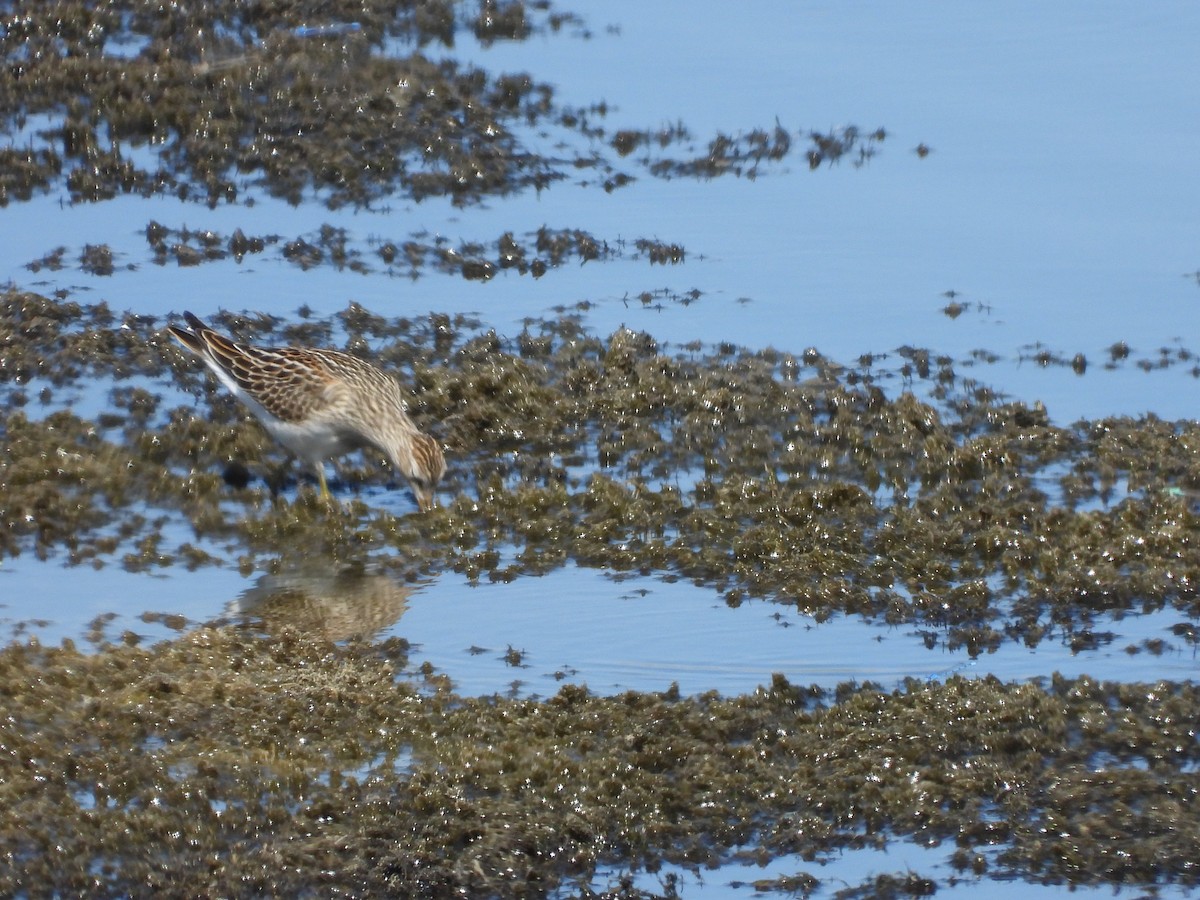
(311, 440)
(313, 444)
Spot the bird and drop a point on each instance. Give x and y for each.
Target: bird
(320, 404)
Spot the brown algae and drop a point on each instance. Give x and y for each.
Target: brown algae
(757, 473)
(229, 761)
(215, 103)
(266, 758)
(219, 762)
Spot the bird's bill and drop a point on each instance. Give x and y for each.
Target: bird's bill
(426, 499)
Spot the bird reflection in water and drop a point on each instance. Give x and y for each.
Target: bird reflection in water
(337, 606)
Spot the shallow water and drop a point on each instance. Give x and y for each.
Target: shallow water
(643, 634)
(858, 869)
(582, 626)
(1044, 205)
(1057, 206)
(1057, 202)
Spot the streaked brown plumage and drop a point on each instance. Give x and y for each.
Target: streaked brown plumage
(321, 403)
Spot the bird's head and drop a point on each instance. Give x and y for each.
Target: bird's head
(421, 460)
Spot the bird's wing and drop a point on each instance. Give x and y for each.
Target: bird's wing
(291, 383)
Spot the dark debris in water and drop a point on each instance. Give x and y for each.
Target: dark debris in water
(219, 763)
(335, 101)
(744, 155)
(219, 97)
(824, 488)
(261, 757)
(534, 253)
(289, 755)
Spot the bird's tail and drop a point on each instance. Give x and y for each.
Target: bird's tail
(191, 339)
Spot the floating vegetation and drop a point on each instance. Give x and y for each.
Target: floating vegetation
(214, 103)
(224, 100)
(906, 495)
(533, 253)
(219, 763)
(292, 754)
(746, 154)
(97, 259)
(273, 754)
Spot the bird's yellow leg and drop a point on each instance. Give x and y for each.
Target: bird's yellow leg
(325, 495)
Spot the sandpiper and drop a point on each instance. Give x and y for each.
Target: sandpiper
(321, 403)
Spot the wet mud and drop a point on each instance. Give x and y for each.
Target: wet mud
(284, 750)
(824, 488)
(216, 102)
(421, 253)
(221, 762)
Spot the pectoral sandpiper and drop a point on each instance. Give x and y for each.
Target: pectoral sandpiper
(321, 403)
